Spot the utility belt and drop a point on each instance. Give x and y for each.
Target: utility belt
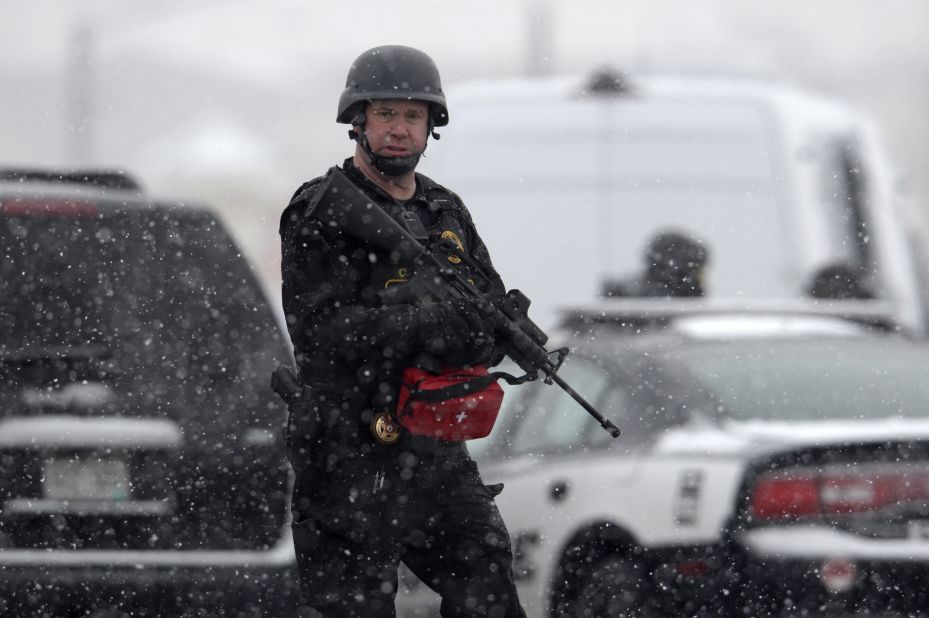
(331, 381)
(436, 410)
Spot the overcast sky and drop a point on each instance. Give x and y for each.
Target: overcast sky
(234, 102)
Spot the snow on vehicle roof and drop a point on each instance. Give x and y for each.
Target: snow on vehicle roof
(63, 430)
(666, 84)
(723, 318)
(34, 190)
(751, 326)
(737, 437)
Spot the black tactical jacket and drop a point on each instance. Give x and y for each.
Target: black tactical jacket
(343, 337)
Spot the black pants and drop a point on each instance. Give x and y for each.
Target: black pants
(360, 508)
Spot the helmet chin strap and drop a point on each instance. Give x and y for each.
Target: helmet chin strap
(389, 166)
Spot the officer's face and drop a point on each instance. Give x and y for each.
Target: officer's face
(397, 128)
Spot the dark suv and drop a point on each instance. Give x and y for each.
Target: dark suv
(141, 469)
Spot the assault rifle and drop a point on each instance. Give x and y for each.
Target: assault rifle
(343, 205)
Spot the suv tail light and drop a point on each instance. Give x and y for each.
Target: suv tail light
(804, 493)
(49, 207)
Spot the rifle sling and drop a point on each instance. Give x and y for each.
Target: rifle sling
(454, 391)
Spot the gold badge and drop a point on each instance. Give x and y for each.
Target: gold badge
(454, 259)
(403, 275)
(385, 428)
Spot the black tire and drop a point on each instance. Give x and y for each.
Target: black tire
(616, 588)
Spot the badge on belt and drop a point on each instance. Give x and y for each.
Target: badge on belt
(385, 428)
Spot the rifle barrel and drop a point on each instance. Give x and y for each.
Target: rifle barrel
(606, 423)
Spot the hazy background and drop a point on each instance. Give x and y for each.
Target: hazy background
(233, 103)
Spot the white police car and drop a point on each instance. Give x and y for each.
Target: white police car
(771, 463)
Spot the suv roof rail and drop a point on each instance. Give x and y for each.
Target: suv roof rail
(103, 178)
(634, 313)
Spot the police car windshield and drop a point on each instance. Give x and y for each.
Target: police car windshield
(838, 380)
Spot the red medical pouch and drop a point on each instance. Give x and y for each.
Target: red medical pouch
(458, 404)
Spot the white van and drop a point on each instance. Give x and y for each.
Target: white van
(569, 178)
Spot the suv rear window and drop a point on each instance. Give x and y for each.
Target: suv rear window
(157, 290)
(66, 280)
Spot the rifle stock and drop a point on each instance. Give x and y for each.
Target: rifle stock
(342, 205)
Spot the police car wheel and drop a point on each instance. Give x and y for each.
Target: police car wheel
(615, 587)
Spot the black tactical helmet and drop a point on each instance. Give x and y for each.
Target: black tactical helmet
(393, 72)
(674, 264)
(839, 281)
(675, 250)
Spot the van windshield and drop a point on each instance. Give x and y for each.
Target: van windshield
(595, 181)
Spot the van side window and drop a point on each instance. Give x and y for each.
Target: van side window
(843, 193)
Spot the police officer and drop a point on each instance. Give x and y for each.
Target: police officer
(366, 497)
(839, 281)
(674, 266)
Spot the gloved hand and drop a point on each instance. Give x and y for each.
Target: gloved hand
(460, 331)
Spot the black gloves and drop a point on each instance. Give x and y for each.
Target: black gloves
(459, 331)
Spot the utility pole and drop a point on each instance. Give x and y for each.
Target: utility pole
(79, 95)
(95, 21)
(540, 45)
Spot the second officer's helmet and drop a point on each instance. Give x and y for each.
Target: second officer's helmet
(674, 265)
(393, 72)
